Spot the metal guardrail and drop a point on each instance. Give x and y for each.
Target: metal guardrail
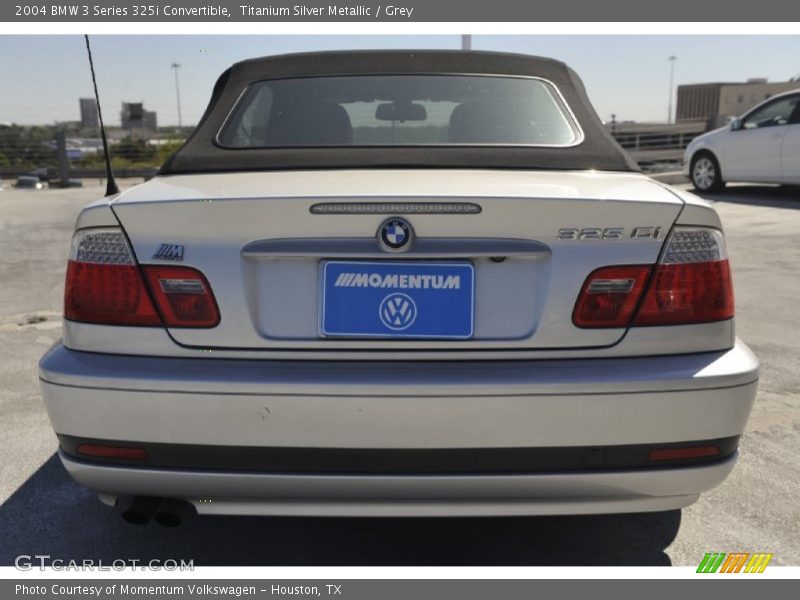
(650, 143)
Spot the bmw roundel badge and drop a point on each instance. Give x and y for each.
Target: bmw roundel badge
(395, 234)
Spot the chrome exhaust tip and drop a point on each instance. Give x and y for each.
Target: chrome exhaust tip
(140, 510)
(173, 513)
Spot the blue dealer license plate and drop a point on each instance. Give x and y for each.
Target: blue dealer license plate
(397, 299)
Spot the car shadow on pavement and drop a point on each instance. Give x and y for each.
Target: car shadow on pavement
(50, 514)
(771, 196)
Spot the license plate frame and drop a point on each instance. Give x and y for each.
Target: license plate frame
(377, 307)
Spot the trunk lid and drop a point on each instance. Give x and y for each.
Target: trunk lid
(264, 250)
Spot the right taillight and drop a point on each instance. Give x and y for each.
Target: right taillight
(691, 283)
(609, 296)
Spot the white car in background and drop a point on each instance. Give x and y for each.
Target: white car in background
(763, 146)
(398, 283)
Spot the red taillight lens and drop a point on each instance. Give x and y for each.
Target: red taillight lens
(107, 294)
(698, 292)
(609, 296)
(183, 296)
(103, 282)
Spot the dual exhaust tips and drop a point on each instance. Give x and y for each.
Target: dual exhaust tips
(167, 512)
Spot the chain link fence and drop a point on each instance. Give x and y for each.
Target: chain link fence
(58, 155)
(55, 154)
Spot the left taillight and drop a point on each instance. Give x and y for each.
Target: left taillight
(183, 296)
(105, 286)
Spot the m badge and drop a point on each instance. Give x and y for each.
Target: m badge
(172, 252)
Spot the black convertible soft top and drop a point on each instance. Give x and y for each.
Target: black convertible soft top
(202, 154)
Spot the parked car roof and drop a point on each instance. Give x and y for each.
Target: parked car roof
(203, 154)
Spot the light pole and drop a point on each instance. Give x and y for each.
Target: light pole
(175, 67)
(671, 60)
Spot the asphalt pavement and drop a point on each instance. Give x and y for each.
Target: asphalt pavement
(43, 512)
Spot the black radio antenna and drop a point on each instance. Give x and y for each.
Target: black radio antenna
(111, 184)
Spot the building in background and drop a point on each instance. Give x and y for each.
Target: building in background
(140, 123)
(89, 120)
(714, 103)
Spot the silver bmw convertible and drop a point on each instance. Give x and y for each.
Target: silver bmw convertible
(398, 284)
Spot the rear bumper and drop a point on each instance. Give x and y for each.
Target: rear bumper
(237, 493)
(480, 407)
(501, 404)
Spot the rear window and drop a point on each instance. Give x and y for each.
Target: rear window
(400, 110)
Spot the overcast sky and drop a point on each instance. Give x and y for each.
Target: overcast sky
(42, 77)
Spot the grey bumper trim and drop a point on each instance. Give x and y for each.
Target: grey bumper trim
(689, 372)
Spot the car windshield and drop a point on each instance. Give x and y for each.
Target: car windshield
(400, 110)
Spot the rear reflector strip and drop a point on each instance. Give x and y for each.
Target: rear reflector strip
(683, 453)
(120, 452)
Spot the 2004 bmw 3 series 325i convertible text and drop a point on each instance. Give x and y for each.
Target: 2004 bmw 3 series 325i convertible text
(399, 283)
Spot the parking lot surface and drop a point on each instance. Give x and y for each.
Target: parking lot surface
(43, 512)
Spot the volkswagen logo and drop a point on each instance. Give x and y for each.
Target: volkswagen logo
(395, 234)
(397, 311)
